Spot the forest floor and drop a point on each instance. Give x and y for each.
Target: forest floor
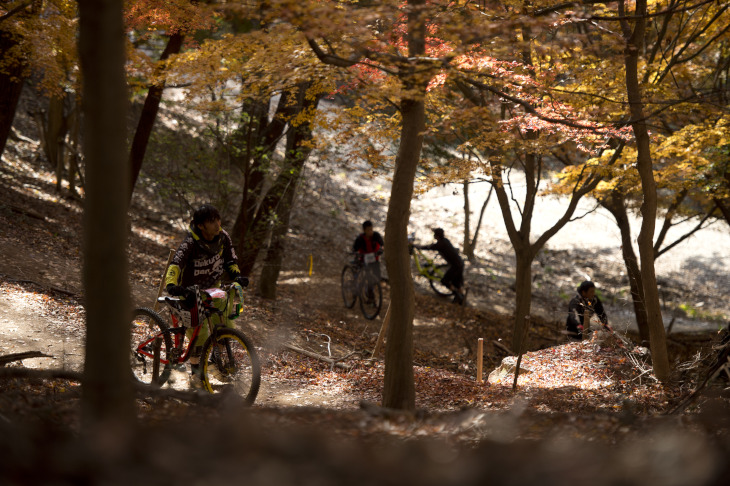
(568, 395)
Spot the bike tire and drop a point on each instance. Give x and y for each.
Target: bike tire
(230, 364)
(434, 280)
(371, 309)
(348, 286)
(145, 327)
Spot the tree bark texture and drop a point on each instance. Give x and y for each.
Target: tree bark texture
(149, 114)
(11, 85)
(399, 390)
(634, 45)
(108, 399)
(617, 207)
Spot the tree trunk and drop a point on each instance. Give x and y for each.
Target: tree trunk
(473, 244)
(74, 122)
(108, 397)
(616, 206)
(399, 390)
(523, 300)
(724, 208)
(468, 250)
(149, 115)
(634, 45)
(55, 133)
(297, 152)
(255, 145)
(11, 85)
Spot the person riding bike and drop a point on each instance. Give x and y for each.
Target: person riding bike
(202, 259)
(454, 276)
(369, 246)
(584, 300)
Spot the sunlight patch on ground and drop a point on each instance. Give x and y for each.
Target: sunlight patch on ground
(154, 235)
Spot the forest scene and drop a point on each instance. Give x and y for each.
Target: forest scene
(323, 242)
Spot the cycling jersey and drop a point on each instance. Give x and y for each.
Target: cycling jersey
(368, 245)
(202, 263)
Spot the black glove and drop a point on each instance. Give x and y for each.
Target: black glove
(176, 290)
(241, 280)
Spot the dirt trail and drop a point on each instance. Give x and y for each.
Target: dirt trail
(24, 328)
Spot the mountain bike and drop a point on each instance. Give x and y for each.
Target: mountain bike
(433, 271)
(228, 361)
(359, 281)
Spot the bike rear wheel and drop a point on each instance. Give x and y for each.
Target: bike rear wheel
(349, 294)
(435, 274)
(231, 365)
(371, 300)
(147, 326)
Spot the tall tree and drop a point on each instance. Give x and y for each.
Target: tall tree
(149, 112)
(298, 147)
(108, 399)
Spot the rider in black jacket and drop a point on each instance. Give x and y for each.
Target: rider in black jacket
(454, 277)
(585, 299)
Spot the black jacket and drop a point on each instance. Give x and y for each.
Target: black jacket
(576, 310)
(202, 263)
(363, 245)
(447, 251)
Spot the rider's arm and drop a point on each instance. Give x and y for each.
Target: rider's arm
(230, 261)
(358, 244)
(574, 311)
(378, 238)
(179, 260)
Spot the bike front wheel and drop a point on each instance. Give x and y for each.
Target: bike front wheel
(230, 365)
(435, 274)
(150, 366)
(371, 300)
(348, 286)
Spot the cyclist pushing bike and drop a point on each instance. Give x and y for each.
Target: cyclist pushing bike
(201, 260)
(369, 246)
(454, 276)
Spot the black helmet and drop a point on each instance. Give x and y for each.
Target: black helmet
(438, 233)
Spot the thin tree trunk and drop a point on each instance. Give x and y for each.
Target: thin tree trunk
(55, 133)
(256, 151)
(473, 244)
(724, 208)
(74, 121)
(634, 45)
(108, 397)
(616, 206)
(149, 115)
(468, 250)
(11, 85)
(297, 152)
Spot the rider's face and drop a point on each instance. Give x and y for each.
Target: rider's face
(210, 229)
(589, 294)
(369, 231)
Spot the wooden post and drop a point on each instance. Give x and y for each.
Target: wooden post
(381, 335)
(480, 359)
(162, 281)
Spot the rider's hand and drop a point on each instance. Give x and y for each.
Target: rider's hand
(242, 281)
(176, 290)
(580, 328)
